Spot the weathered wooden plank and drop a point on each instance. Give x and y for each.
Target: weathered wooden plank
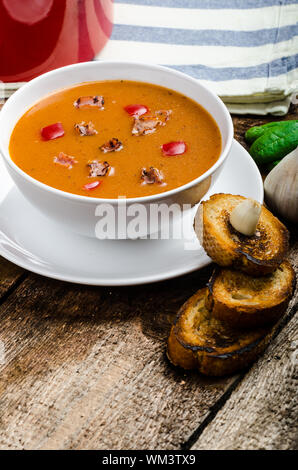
(86, 368)
(262, 411)
(10, 275)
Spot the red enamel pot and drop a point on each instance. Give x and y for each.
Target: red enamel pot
(40, 35)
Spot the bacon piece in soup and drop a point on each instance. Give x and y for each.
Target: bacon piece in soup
(97, 168)
(151, 176)
(90, 102)
(113, 145)
(144, 125)
(83, 128)
(65, 160)
(163, 115)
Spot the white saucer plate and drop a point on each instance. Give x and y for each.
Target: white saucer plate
(35, 243)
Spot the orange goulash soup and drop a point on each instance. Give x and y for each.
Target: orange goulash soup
(115, 138)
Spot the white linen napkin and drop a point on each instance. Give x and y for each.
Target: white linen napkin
(246, 51)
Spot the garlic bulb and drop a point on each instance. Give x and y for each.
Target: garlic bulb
(281, 187)
(245, 216)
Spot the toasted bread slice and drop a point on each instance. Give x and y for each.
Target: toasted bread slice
(244, 301)
(258, 254)
(200, 341)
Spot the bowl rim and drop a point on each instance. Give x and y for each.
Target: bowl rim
(141, 199)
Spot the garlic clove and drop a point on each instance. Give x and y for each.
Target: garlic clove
(281, 187)
(245, 216)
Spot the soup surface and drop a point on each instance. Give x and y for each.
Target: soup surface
(115, 138)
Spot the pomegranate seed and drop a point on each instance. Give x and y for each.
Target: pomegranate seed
(173, 148)
(136, 109)
(92, 185)
(52, 132)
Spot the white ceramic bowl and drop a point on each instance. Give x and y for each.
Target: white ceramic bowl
(81, 213)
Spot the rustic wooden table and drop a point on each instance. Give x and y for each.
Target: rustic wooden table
(85, 368)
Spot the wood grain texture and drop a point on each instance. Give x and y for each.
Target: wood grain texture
(10, 275)
(262, 411)
(85, 367)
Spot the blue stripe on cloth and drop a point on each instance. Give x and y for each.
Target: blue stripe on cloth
(210, 4)
(272, 69)
(203, 37)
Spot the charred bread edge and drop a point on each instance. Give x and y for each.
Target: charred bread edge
(212, 350)
(217, 269)
(273, 261)
(240, 351)
(183, 307)
(260, 317)
(284, 245)
(176, 327)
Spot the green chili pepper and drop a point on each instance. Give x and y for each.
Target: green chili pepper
(276, 142)
(255, 132)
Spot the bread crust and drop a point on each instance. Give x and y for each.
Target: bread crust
(227, 325)
(199, 341)
(246, 302)
(258, 255)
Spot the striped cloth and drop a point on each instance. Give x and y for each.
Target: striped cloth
(246, 51)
